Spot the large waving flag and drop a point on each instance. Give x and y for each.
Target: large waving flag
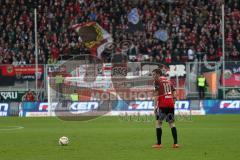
(93, 36)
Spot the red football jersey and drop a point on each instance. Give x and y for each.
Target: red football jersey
(29, 97)
(165, 93)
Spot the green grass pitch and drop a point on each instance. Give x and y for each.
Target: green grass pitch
(215, 137)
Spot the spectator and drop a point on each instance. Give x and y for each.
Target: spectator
(237, 43)
(168, 58)
(201, 83)
(54, 52)
(196, 25)
(191, 54)
(235, 55)
(29, 96)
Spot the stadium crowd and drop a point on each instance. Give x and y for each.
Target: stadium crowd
(192, 27)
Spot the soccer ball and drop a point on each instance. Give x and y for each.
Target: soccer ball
(63, 141)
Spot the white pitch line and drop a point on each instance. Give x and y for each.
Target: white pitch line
(10, 128)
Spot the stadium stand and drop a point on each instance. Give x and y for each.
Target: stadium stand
(193, 32)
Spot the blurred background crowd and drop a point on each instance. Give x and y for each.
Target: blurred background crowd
(191, 29)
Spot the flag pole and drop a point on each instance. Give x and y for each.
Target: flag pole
(223, 51)
(36, 51)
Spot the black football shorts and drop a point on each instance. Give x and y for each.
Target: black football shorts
(165, 113)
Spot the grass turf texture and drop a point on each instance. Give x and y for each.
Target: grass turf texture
(109, 138)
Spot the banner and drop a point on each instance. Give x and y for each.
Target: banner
(39, 109)
(12, 96)
(33, 109)
(56, 69)
(28, 72)
(117, 107)
(184, 107)
(222, 106)
(7, 70)
(4, 109)
(233, 93)
(10, 74)
(231, 74)
(7, 75)
(121, 105)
